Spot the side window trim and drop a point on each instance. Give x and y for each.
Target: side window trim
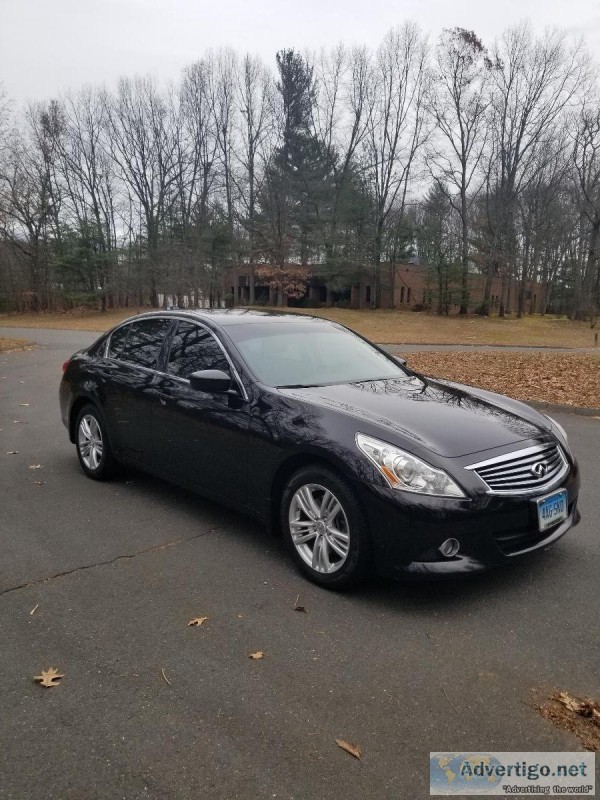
(198, 324)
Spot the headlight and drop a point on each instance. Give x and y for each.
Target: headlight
(405, 471)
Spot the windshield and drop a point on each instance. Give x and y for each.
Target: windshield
(311, 353)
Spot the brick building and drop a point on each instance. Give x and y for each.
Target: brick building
(410, 284)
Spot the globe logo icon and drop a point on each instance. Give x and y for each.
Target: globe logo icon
(463, 773)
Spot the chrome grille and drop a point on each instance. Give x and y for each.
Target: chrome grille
(527, 471)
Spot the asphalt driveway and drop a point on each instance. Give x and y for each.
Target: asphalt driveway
(152, 708)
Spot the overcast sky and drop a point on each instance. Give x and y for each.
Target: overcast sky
(49, 46)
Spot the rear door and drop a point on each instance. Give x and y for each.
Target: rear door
(201, 438)
(129, 384)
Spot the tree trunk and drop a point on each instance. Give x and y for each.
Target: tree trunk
(464, 287)
(251, 286)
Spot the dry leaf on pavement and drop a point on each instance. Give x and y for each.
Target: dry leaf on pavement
(257, 655)
(297, 607)
(353, 749)
(49, 677)
(197, 621)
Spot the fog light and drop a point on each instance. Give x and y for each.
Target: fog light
(449, 548)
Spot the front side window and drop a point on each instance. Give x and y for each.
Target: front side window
(141, 342)
(193, 348)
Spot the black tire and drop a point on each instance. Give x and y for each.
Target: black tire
(89, 423)
(331, 571)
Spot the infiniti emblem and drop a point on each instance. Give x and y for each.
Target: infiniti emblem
(539, 469)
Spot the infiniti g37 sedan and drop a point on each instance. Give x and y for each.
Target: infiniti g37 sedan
(361, 464)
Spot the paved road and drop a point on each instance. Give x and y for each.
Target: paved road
(116, 570)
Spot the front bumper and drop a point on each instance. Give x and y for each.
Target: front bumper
(407, 529)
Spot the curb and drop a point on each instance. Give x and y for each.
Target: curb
(580, 410)
(559, 348)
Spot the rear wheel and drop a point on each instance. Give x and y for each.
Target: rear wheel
(93, 447)
(325, 528)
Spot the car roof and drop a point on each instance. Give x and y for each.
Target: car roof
(226, 317)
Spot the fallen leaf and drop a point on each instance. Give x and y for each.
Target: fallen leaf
(35, 466)
(11, 452)
(574, 714)
(33, 610)
(197, 621)
(302, 609)
(166, 680)
(585, 708)
(49, 677)
(353, 749)
(257, 655)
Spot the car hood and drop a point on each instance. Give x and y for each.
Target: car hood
(448, 419)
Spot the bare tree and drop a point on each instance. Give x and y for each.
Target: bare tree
(87, 172)
(30, 199)
(254, 94)
(533, 81)
(459, 101)
(341, 125)
(143, 142)
(396, 131)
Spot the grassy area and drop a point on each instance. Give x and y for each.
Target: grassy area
(387, 327)
(571, 379)
(409, 327)
(10, 345)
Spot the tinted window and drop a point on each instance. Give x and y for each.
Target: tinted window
(118, 341)
(192, 349)
(143, 343)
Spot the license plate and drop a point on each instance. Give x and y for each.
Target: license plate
(552, 509)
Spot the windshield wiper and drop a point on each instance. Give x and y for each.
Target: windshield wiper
(299, 386)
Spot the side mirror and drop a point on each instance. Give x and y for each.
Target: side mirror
(210, 380)
(400, 360)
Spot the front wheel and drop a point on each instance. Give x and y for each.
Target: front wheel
(93, 447)
(325, 528)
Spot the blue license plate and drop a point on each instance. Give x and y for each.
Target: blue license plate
(552, 509)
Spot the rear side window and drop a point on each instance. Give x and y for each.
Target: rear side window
(118, 341)
(193, 349)
(140, 342)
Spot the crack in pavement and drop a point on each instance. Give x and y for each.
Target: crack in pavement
(155, 548)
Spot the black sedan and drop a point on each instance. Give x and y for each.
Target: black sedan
(360, 463)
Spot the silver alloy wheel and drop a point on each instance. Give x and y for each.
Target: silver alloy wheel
(89, 441)
(319, 528)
